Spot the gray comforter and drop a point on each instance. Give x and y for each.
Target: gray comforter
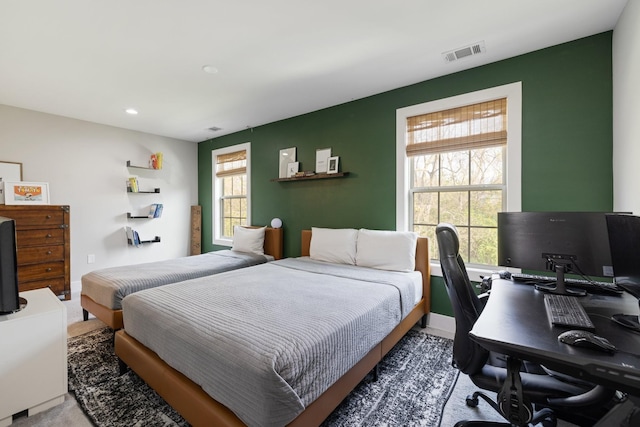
(109, 286)
(267, 340)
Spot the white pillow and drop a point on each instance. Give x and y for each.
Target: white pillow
(387, 250)
(248, 240)
(337, 245)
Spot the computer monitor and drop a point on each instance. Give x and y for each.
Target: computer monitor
(561, 242)
(9, 298)
(624, 242)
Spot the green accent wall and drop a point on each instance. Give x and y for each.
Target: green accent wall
(566, 147)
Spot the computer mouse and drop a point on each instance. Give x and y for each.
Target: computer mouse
(586, 339)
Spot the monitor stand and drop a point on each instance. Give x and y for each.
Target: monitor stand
(560, 288)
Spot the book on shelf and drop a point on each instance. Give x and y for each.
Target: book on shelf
(133, 238)
(155, 210)
(132, 184)
(158, 212)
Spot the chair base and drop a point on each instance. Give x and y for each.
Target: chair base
(545, 416)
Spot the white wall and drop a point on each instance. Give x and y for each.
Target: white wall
(85, 166)
(626, 110)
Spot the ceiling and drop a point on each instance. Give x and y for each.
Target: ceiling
(91, 60)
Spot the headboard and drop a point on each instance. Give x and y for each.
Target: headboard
(273, 244)
(422, 263)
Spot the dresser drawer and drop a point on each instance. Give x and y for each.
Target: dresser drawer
(51, 236)
(46, 270)
(39, 254)
(57, 286)
(25, 218)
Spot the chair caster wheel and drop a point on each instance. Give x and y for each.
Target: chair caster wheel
(472, 401)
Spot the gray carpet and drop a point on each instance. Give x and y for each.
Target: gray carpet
(415, 380)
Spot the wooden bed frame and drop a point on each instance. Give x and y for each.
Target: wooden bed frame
(199, 409)
(273, 245)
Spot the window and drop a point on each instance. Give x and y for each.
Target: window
(231, 195)
(458, 161)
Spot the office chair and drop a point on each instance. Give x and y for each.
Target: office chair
(553, 394)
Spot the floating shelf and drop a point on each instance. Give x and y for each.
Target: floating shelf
(129, 165)
(317, 176)
(138, 216)
(155, 240)
(155, 191)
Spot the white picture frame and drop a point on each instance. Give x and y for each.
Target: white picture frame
(322, 155)
(26, 193)
(9, 171)
(292, 169)
(287, 155)
(332, 164)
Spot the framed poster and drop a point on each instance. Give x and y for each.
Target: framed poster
(293, 168)
(26, 193)
(9, 171)
(322, 156)
(333, 164)
(287, 155)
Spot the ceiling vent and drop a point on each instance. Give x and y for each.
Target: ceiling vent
(215, 129)
(464, 52)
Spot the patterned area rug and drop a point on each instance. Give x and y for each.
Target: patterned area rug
(414, 383)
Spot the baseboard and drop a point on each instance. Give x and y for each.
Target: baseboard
(441, 325)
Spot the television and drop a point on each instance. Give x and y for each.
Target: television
(559, 242)
(9, 298)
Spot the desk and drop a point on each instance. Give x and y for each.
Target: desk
(514, 322)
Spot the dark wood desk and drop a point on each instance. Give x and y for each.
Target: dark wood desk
(514, 322)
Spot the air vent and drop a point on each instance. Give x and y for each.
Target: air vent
(463, 52)
(215, 129)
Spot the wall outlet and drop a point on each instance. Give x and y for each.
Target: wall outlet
(91, 258)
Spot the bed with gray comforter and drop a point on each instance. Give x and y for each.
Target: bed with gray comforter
(267, 340)
(108, 286)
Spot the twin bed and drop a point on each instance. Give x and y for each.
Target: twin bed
(280, 343)
(103, 290)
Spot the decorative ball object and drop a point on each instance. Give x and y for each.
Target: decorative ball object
(276, 223)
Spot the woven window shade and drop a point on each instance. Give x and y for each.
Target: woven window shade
(464, 128)
(231, 163)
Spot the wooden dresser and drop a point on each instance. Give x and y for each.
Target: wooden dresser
(44, 249)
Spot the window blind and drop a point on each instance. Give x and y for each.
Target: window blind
(231, 163)
(464, 128)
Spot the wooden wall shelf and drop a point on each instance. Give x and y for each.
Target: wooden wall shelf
(317, 176)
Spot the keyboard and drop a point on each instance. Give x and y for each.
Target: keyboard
(564, 310)
(591, 286)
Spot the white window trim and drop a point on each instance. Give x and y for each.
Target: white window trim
(217, 191)
(513, 93)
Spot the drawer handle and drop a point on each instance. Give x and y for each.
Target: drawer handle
(49, 252)
(48, 216)
(49, 269)
(49, 236)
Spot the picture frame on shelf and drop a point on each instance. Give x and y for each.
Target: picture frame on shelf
(332, 164)
(26, 193)
(9, 171)
(322, 156)
(287, 155)
(292, 169)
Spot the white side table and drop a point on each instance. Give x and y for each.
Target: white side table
(33, 356)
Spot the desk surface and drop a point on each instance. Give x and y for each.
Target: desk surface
(514, 322)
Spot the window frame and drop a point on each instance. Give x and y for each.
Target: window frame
(216, 196)
(513, 178)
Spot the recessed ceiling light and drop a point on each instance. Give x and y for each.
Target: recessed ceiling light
(210, 69)
(131, 111)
